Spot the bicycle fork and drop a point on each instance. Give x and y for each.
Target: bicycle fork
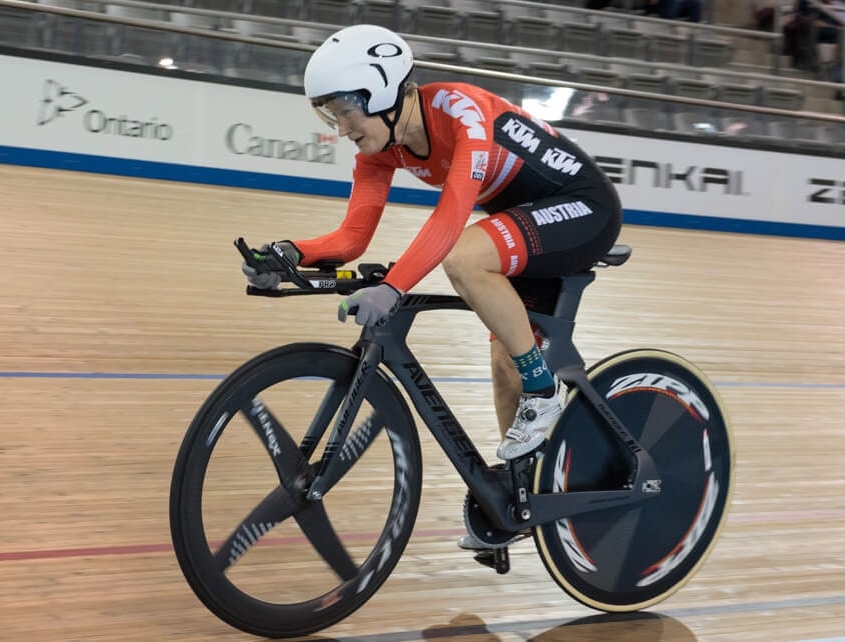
(332, 464)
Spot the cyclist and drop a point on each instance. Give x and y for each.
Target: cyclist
(551, 209)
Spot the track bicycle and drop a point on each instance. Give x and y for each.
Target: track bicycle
(297, 484)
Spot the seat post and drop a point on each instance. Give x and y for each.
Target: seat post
(561, 354)
(571, 289)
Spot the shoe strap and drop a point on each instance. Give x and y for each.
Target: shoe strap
(517, 435)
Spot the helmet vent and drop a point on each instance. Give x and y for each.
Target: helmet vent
(380, 69)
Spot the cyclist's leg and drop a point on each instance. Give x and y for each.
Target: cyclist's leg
(474, 268)
(538, 295)
(507, 385)
(541, 241)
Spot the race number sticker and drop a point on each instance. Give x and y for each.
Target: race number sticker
(479, 165)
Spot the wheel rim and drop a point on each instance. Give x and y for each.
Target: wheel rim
(279, 585)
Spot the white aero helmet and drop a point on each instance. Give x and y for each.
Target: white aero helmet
(368, 61)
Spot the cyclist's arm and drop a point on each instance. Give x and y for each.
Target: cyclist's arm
(370, 187)
(444, 226)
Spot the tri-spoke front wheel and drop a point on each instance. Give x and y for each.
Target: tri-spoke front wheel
(254, 548)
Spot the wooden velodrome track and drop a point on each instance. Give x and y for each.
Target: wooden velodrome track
(122, 305)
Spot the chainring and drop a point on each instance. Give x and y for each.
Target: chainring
(478, 525)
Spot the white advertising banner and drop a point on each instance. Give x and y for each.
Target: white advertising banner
(98, 111)
(117, 114)
(99, 119)
(659, 175)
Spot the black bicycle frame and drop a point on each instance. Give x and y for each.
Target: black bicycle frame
(388, 345)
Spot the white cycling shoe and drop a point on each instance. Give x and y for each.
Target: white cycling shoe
(534, 416)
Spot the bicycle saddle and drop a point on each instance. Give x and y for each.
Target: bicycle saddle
(617, 255)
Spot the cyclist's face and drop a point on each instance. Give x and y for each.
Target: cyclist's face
(346, 114)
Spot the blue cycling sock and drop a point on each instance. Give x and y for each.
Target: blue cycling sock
(535, 375)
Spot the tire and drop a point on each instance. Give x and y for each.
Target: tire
(238, 482)
(629, 558)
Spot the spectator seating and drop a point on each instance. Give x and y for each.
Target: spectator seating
(386, 13)
(692, 118)
(580, 37)
(644, 112)
(555, 40)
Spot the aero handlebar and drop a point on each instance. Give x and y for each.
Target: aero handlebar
(322, 278)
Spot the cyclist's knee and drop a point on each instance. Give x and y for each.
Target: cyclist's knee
(473, 252)
(458, 264)
(452, 263)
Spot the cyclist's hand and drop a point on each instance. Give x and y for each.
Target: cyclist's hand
(269, 277)
(371, 306)
(262, 280)
(288, 250)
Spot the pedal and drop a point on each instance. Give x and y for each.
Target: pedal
(495, 558)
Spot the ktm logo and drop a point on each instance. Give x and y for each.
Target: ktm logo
(462, 107)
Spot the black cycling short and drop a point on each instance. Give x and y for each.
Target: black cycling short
(563, 234)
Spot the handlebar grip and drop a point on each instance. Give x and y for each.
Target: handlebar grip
(290, 269)
(243, 248)
(322, 277)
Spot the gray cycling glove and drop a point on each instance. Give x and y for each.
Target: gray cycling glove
(371, 306)
(269, 280)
